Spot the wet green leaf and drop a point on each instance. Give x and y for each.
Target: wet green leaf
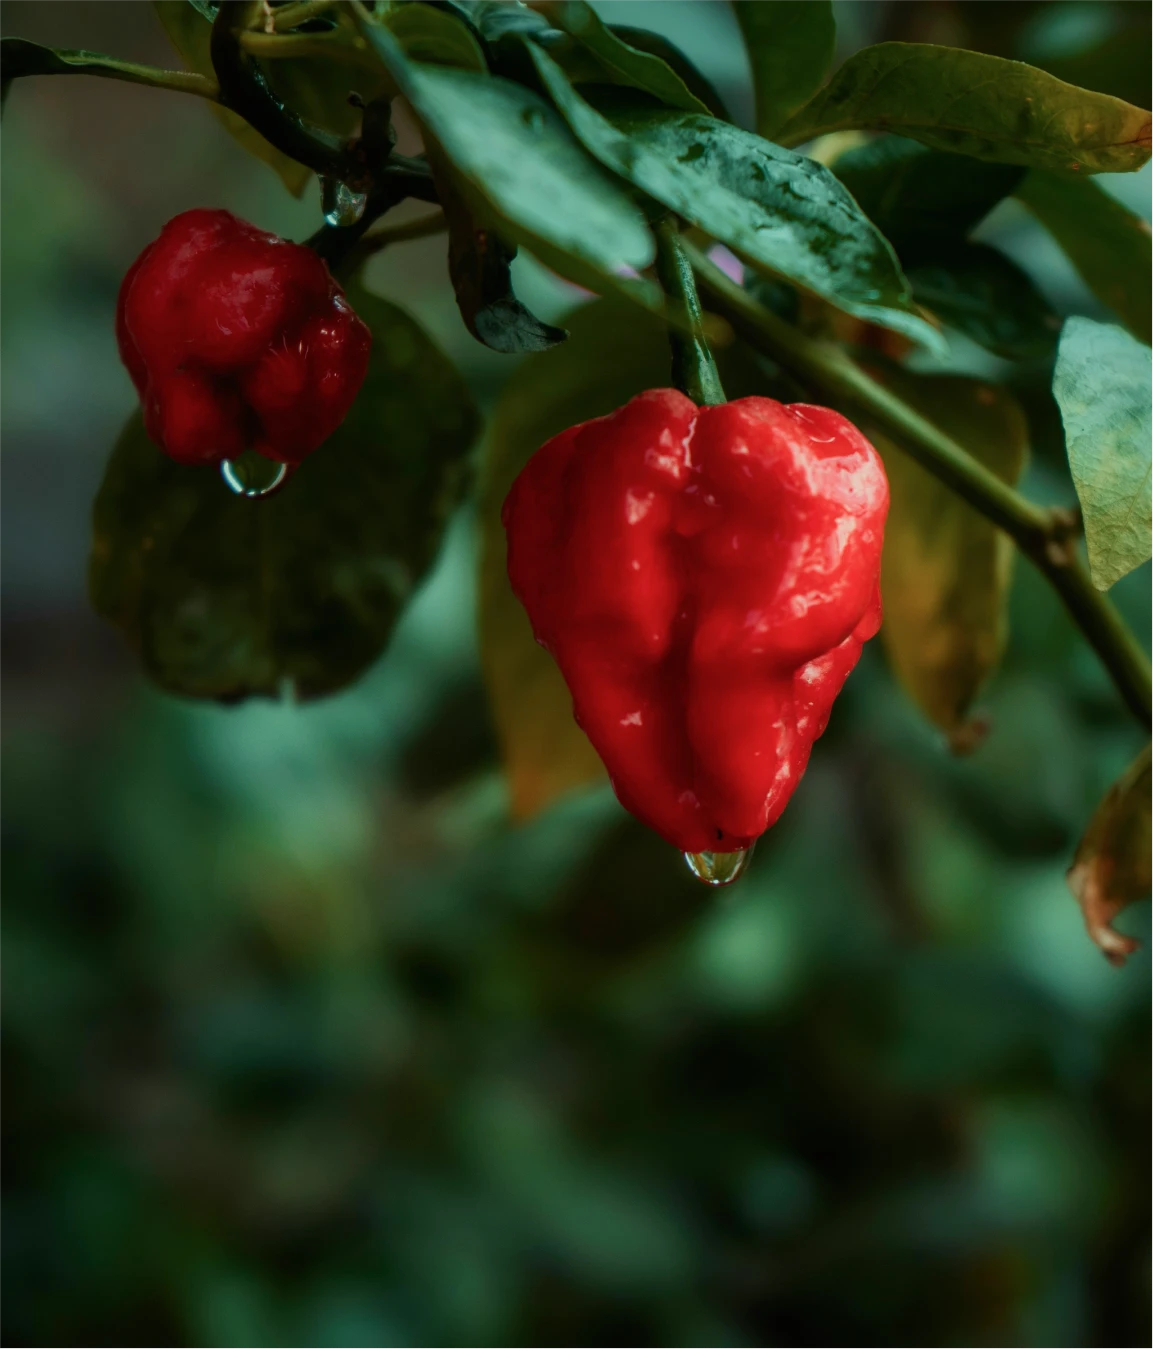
(916, 196)
(945, 570)
(1102, 385)
(1111, 868)
(614, 351)
(986, 296)
(1106, 242)
(977, 105)
(779, 210)
(628, 64)
(790, 45)
(226, 598)
(518, 157)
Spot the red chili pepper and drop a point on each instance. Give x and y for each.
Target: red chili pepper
(704, 578)
(237, 339)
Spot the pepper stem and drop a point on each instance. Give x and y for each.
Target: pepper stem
(694, 370)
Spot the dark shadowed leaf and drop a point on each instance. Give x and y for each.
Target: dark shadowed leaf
(941, 96)
(945, 570)
(1108, 244)
(779, 210)
(1102, 385)
(226, 598)
(1111, 869)
(915, 196)
(628, 64)
(790, 45)
(695, 82)
(520, 159)
(614, 351)
(986, 296)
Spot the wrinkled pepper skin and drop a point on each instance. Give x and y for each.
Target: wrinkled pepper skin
(237, 339)
(704, 579)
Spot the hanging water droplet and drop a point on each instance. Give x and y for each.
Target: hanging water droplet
(340, 204)
(719, 868)
(252, 476)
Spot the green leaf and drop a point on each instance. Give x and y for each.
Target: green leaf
(1111, 868)
(777, 209)
(694, 81)
(977, 105)
(513, 151)
(1108, 244)
(19, 57)
(428, 34)
(986, 296)
(945, 570)
(916, 196)
(614, 351)
(479, 264)
(629, 65)
(227, 598)
(790, 45)
(1103, 386)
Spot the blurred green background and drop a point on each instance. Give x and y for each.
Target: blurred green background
(305, 1045)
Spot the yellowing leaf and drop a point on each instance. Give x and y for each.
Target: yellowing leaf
(1111, 868)
(614, 350)
(945, 570)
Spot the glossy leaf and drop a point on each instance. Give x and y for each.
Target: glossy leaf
(779, 210)
(614, 351)
(945, 570)
(1111, 868)
(916, 196)
(628, 64)
(226, 598)
(977, 105)
(985, 295)
(1102, 384)
(1107, 243)
(790, 45)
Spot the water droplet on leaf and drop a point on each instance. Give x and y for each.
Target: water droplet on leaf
(719, 868)
(252, 476)
(341, 205)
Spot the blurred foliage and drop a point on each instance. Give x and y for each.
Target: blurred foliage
(305, 1045)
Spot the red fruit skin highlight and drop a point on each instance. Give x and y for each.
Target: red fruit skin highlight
(236, 339)
(705, 578)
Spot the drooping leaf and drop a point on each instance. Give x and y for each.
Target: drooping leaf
(945, 570)
(986, 296)
(19, 57)
(315, 90)
(479, 264)
(1107, 243)
(614, 351)
(1102, 384)
(977, 105)
(657, 45)
(779, 210)
(790, 45)
(1111, 868)
(431, 35)
(916, 196)
(520, 159)
(629, 64)
(227, 598)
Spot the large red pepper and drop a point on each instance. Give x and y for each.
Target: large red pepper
(237, 339)
(704, 578)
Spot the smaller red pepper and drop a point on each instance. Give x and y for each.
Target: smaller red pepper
(704, 577)
(236, 340)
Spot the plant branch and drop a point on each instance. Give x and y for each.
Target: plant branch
(1042, 534)
(694, 370)
(293, 46)
(20, 58)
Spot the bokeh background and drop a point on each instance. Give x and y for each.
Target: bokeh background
(304, 1044)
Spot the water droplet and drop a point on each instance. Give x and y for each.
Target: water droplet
(719, 868)
(341, 205)
(252, 476)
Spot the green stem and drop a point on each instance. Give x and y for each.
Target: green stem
(1043, 534)
(299, 46)
(292, 16)
(694, 370)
